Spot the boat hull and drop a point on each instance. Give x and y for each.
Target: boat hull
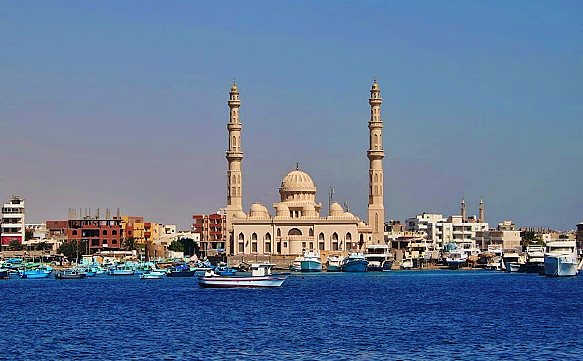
(535, 267)
(311, 266)
(334, 268)
(152, 275)
(237, 282)
(40, 274)
(355, 266)
(4, 274)
(121, 273)
(456, 264)
(181, 273)
(560, 265)
(387, 265)
(512, 266)
(65, 276)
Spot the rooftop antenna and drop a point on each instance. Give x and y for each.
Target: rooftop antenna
(346, 206)
(297, 165)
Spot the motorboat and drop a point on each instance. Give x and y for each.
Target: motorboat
(561, 258)
(513, 262)
(121, 271)
(181, 271)
(261, 276)
(296, 266)
(36, 273)
(379, 258)
(457, 258)
(311, 262)
(355, 262)
(4, 273)
(535, 259)
(70, 274)
(334, 264)
(150, 275)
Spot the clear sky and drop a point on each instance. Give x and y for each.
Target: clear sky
(123, 104)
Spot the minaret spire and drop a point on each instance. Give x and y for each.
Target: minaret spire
(481, 217)
(234, 158)
(375, 153)
(463, 210)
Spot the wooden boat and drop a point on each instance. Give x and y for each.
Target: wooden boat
(261, 276)
(70, 275)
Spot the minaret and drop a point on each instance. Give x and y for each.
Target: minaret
(463, 210)
(481, 211)
(234, 158)
(375, 153)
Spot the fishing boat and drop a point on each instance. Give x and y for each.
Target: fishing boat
(225, 271)
(535, 259)
(36, 273)
(296, 266)
(151, 275)
(180, 271)
(311, 262)
(261, 276)
(121, 271)
(70, 274)
(355, 262)
(334, 264)
(561, 258)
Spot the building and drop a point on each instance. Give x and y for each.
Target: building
(505, 237)
(13, 226)
(425, 223)
(297, 224)
(211, 232)
(133, 227)
(456, 229)
(579, 236)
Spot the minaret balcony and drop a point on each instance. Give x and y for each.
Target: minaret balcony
(375, 154)
(232, 155)
(234, 103)
(234, 126)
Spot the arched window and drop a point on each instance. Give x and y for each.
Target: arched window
(311, 232)
(321, 237)
(241, 237)
(268, 237)
(348, 237)
(279, 232)
(335, 236)
(114, 233)
(254, 237)
(294, 232)
(105, 232)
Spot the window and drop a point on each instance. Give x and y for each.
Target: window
(268, 237)
(114, 241)
(94, 243)
(279, 232)
(284, 244)
(254, 247)
(74, 232)
(294, 232)
(311, 232)
(254, 237)
(304, 245)
(241, 247)
(114, 233)
(267, 247)
(348, 237)
(241, 237)
(311, 245)
(321, 237)
(321, 246)
(104, 232)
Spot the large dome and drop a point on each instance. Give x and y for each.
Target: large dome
(296, 181)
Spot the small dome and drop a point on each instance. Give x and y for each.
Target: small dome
(361, 224)
(298, 181)
(258, 210)
(375, 86)
(234, 88)
(336, 210)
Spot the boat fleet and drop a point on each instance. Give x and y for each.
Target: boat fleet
(377, 258)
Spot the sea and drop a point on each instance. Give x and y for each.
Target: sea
(397, 315)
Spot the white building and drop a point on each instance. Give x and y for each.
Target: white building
(456, 229)
(505, 236)
(13, 227)
(425, 223)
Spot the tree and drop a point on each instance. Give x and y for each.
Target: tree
(176, 246)
(130, 244)
(15, 245)
(531, 238)
(186, 245)
(42, 246)
(73, 249)
(28, 235)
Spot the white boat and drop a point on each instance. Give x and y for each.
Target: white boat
(457, 258)
(406, 263)
(379, 258)
(152, 275)
(561, 258)
(296, 266)
(311, 262)
(261, 276)
(334, 264)
(535, 259)
(513, 262)
(355, 262)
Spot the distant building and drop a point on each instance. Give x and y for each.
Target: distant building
(13, 227)
(133, 227)
(100, 234)
(211, 232)
(425, 223)
(579, 236)
(505, 236)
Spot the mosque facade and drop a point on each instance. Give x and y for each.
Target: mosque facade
(297, 224)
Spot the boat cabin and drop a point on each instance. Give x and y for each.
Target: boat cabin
(261, 269)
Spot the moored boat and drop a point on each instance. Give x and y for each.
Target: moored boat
(311, 262)
(225, 271)
(4, 273)
(513, 262)
(296, 266)
(334, 264)
(121, 271)
(561, 258)
(535, 259)
(355, 262)
(261, 276)
(70, 274)
(36, 273)
(457, 258)
(180, 271)
(152, 275)
(379, 258)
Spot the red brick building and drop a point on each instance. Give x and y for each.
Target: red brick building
(100, 234)
(212, 230)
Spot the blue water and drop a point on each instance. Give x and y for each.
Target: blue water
(396, 315)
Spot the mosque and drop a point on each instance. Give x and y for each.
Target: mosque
(297, 225)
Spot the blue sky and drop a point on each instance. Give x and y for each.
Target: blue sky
(123, 104)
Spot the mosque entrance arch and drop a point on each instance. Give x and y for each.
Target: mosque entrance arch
(294, 232)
